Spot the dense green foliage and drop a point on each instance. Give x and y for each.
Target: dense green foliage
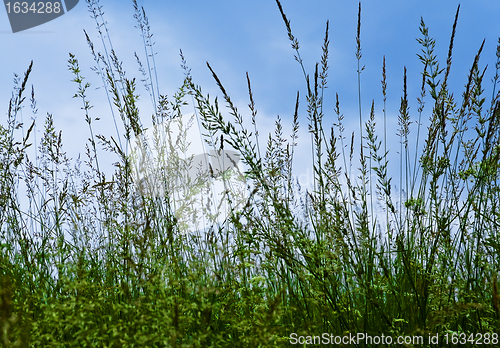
(287, 263)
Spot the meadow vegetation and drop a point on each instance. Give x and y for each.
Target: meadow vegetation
(90, 262)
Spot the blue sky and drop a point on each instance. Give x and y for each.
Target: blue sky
(240, 36)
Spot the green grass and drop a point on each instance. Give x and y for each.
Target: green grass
(127, 277)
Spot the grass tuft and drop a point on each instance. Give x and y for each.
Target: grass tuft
(90, 261)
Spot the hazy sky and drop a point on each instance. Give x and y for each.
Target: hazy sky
(240, 36)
